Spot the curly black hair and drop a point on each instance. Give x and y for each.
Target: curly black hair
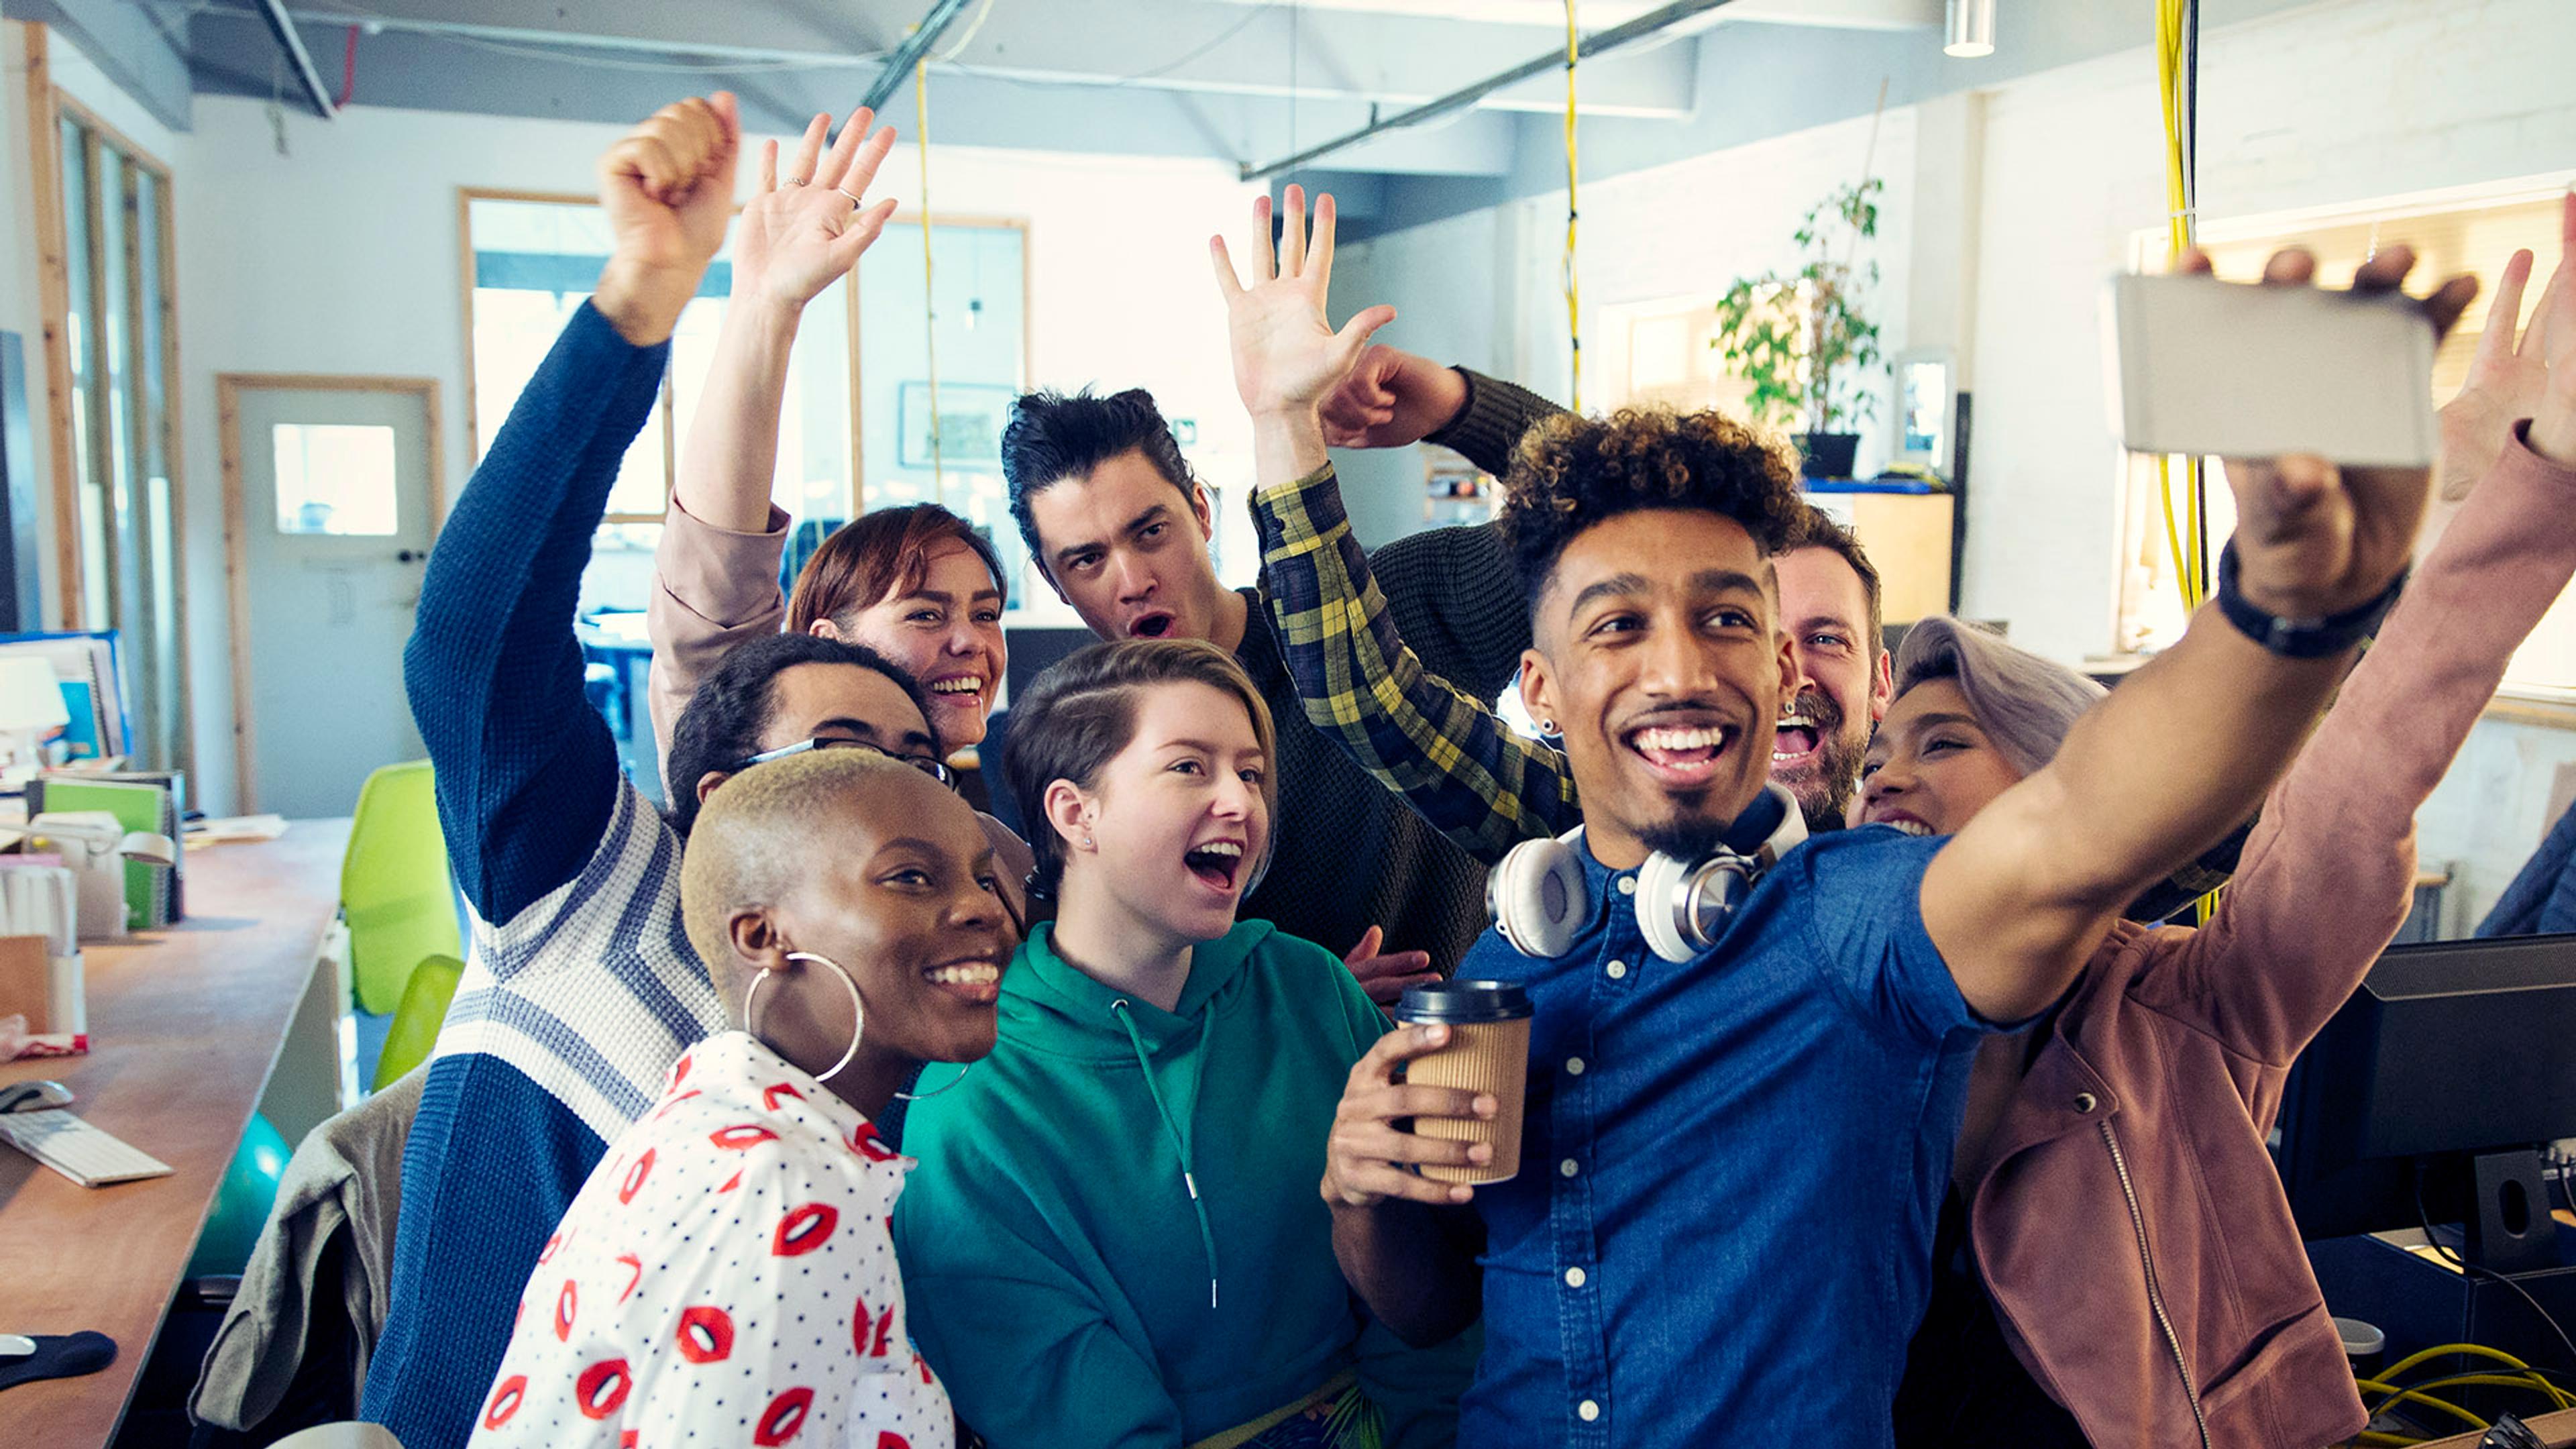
(1572, 472)
(725, 718)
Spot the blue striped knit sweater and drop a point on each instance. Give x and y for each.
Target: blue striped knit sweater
(582, 988)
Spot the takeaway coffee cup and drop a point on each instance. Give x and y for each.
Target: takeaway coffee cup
(1488, 1051)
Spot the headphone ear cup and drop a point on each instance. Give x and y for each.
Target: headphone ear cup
(1537, 897)
(1660, 903)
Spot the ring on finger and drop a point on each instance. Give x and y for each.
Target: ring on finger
(796, 180)
(854, 200)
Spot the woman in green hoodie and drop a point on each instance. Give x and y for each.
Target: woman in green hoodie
(1115, 1237)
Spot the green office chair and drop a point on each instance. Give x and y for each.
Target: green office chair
(394, 887)
(416, 1021)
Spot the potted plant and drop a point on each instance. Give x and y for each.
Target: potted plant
(1801, 338)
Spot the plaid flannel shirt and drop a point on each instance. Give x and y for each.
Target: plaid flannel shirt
(1477, 781)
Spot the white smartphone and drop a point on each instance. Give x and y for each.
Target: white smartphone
(2233, 370)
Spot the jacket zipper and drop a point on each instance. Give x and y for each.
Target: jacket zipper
(2155, 1295)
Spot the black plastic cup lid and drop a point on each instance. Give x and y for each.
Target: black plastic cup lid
(1464, 1003)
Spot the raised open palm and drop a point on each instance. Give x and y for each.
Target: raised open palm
(2509, 374)
(1287, 356)
(799, 238)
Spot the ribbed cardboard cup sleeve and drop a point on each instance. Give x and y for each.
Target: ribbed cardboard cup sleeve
(1481, 1057)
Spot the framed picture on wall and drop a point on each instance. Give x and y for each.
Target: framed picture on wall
(971, 417)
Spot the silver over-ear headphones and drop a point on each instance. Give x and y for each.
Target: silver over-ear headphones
(1538, 900)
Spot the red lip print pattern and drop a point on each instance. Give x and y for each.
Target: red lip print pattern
(567, 1302)
(636, 1172)
(506, 1399)
(602, 1388)
(742, 1138)
(870, 1146)
(705, 1334)
(634, 1272)
(785, 1415)
(783, 1091)
(803, 1230)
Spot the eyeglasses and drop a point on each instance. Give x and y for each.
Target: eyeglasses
(935, 769)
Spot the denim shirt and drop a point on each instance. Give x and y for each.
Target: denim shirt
(1730, 1168)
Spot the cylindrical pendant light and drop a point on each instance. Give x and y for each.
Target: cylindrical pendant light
(1971, 29)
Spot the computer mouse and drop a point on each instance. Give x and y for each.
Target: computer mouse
(36, 1096)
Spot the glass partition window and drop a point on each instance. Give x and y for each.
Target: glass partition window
(335, 478)
(534, 262)
(118, 497)
(960, 361)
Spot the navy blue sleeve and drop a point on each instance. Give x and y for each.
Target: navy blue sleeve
(527, 772)
(491, 1164)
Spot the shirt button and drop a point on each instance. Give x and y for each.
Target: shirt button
(1617, 970)
(1568, 1168)
(1573, 1277)
(1574, 1066)
(1587, 1411)
(1627, 885)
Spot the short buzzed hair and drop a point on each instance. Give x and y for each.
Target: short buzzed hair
(755, 841)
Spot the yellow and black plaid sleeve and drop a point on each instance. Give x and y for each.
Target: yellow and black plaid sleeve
(1476, 781)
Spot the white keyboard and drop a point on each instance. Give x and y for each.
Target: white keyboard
(77, 1150)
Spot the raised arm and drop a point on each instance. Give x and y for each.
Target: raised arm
(527, 772)
(2327, 874)
(1461, 769)
(715, 573)
(2187, 746)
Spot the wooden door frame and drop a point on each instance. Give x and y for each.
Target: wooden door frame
(229, 386)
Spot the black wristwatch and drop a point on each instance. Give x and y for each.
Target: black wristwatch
(2300, 638)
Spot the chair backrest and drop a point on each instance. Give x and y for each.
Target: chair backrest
(414, 1033)
(394, 886)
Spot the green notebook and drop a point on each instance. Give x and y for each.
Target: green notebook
(136, 807)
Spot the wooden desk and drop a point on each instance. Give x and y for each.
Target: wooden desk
(2557, 1429)
(186, 1026)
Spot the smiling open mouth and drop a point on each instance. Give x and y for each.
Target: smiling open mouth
(1216, 863)
(959, 689)
(977, 982)
(1151, 626)
(1796, 740)
(1683, 754)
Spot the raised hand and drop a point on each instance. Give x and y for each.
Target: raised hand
(797, 239)
(667, 188)
(1286, 355)
(1385, 975)
(1390, 399)
(2313, 540)
(2552, 336)
(2509, 374)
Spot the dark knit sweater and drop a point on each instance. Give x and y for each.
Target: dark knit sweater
(1351, 853)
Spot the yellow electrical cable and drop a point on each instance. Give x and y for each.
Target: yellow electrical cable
(2180, 231)
(1573, 290)
(2374, 1437)
(2446, 1350)
(2397, 1395)
(2532, 1382)
(929, 312)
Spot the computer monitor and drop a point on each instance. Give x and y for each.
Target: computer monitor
(2431, 1093)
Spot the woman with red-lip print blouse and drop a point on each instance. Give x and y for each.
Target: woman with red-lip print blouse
(727, 1274)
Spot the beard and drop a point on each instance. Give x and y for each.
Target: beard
(1825, 788)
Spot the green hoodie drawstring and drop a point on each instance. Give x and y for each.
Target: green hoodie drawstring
(1189, 1178)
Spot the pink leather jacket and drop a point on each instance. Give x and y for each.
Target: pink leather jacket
(2124, 1213)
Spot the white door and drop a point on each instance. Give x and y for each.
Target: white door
(335, 498)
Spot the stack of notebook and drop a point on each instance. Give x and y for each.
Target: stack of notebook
(150, 800)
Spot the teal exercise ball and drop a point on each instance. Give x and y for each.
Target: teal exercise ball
(242, 1202)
